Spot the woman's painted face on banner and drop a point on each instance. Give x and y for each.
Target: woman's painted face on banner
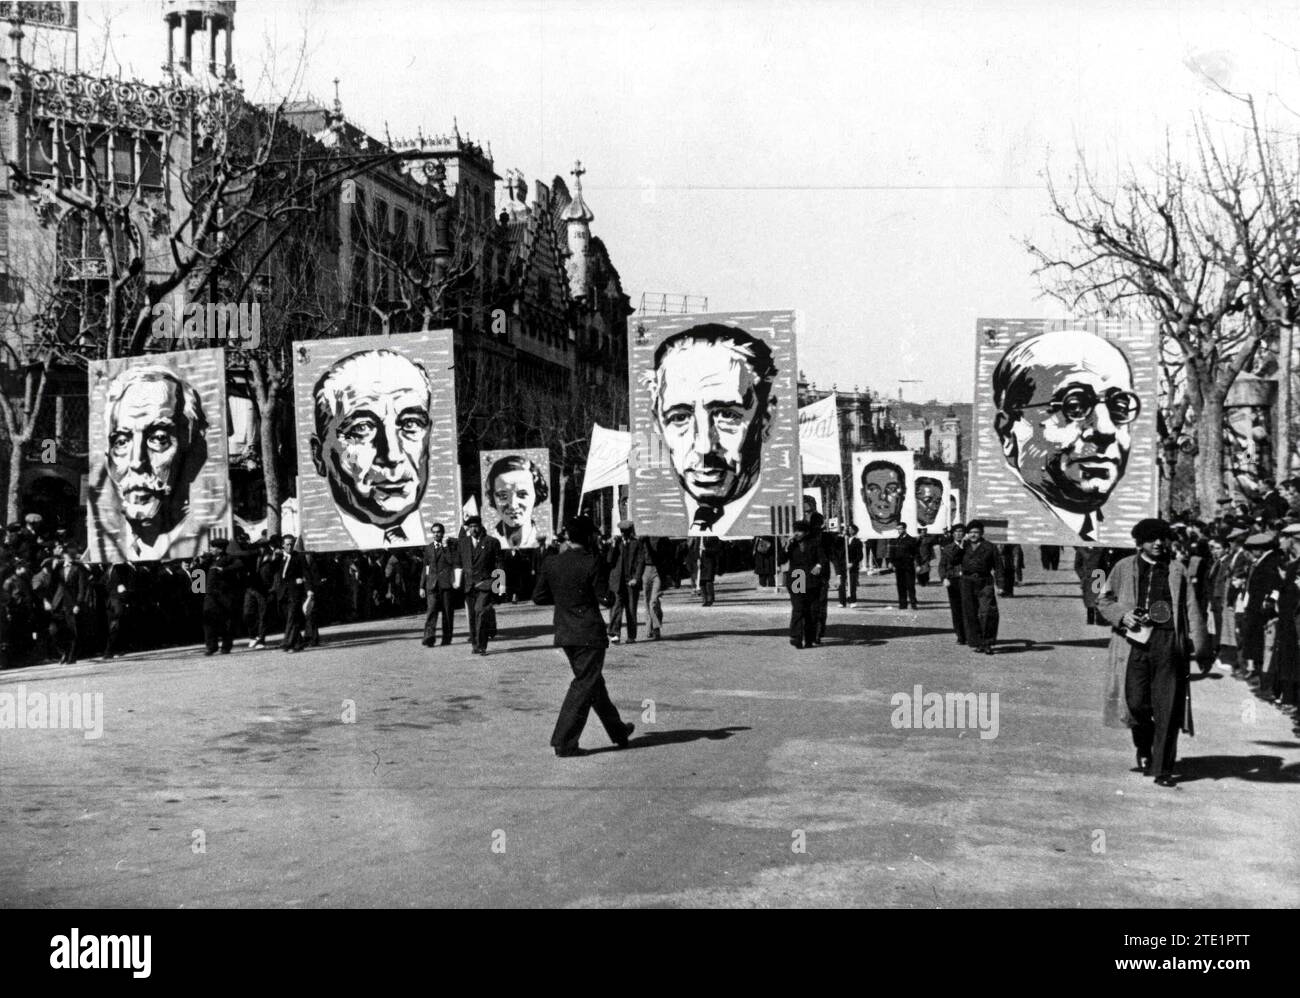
(514, 495)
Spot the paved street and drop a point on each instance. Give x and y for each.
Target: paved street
(443, 789)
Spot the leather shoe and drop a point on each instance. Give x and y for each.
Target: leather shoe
(1144, 764)
(568, 751)
(1166, 781)
(628, 728)
(796, 644)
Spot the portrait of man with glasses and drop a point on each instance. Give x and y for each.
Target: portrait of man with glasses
(1065, 409)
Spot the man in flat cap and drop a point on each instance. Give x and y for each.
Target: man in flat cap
(1264, 581)
(981, 563)
(1284, 666)
(1157, 628)
(626, 561)
(809, 572)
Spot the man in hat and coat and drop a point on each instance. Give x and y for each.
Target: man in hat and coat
(1157, 629)
(478, 559)
(1284, 666)
(1264, 581)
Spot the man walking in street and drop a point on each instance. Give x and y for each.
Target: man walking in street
(479, 560)
(903, 551)
(574, 583)
(293, 587)
(808, 571)
(438, 586)
(626, 560)
(657, 552)
(980, 565)
(1149, 602)
(950, 555)
(221, 578)
(119, 590)
(69, 597)
(855, 564)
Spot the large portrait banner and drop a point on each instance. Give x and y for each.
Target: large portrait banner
(377, 428)
(516, 495)
(715, 431)
(1065, 430)
(884, 493)
(158, 480)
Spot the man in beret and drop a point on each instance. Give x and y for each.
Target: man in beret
(480, 577)
(1158, 628)
(980, 565)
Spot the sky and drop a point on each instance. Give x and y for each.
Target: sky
(878, 166)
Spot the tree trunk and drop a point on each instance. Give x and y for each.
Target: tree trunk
(1172, 453)
(267, 397)
(16, 450)
(1209, 458)
(1282, 412)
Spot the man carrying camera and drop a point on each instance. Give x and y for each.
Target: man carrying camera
(1158, 627)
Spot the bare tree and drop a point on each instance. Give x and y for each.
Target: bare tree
(1189, 246)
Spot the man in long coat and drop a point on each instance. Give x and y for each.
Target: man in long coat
(1157, 629)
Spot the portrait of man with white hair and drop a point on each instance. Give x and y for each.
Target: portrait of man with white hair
(158, 485)
(370, 442)
(1064, 410)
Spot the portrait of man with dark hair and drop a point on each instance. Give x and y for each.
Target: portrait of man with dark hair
(884, 489)
(373, 413)
(516, 490)
(712, 405)
(929, 501)
(1064, 410)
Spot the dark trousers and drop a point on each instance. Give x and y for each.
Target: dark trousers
(65, 629)
(218, 629)
(477, 604)
(257, 612)
(586, 692)
(1156, 693)
(803, 618)
(905, 577)
(707, 589)
(440, 609)
(625, 601)
(853, 584)
(979, 603)
(117, 620)
(823, 598)
(958, 613)
(291, 609)
(842, 590)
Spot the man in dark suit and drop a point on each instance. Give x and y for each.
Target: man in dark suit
(1264, 582)
(69, 597)
(855, 564)
(479, 559)
(119, 590)
(220, 583)
(903, 551)
(950, 575)
(438, 586)
(808, 577)
(980, 566)
(574, 582)
(626, 560)
(294, 585)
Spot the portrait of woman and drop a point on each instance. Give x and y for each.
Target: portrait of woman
(514, 487)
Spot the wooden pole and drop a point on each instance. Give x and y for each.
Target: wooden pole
(1282, 412)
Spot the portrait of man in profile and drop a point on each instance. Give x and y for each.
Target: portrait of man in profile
(155, 430)
(1064, 410)
(372, 418)
(712, 404)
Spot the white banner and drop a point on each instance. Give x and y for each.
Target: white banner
(606, 459)
(819, 438)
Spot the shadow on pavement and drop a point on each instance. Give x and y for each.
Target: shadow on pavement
(1256, 768)
(678, 736)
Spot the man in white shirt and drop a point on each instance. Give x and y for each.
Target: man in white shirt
(371, 444)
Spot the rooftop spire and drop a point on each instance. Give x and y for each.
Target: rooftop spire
(577, 210)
